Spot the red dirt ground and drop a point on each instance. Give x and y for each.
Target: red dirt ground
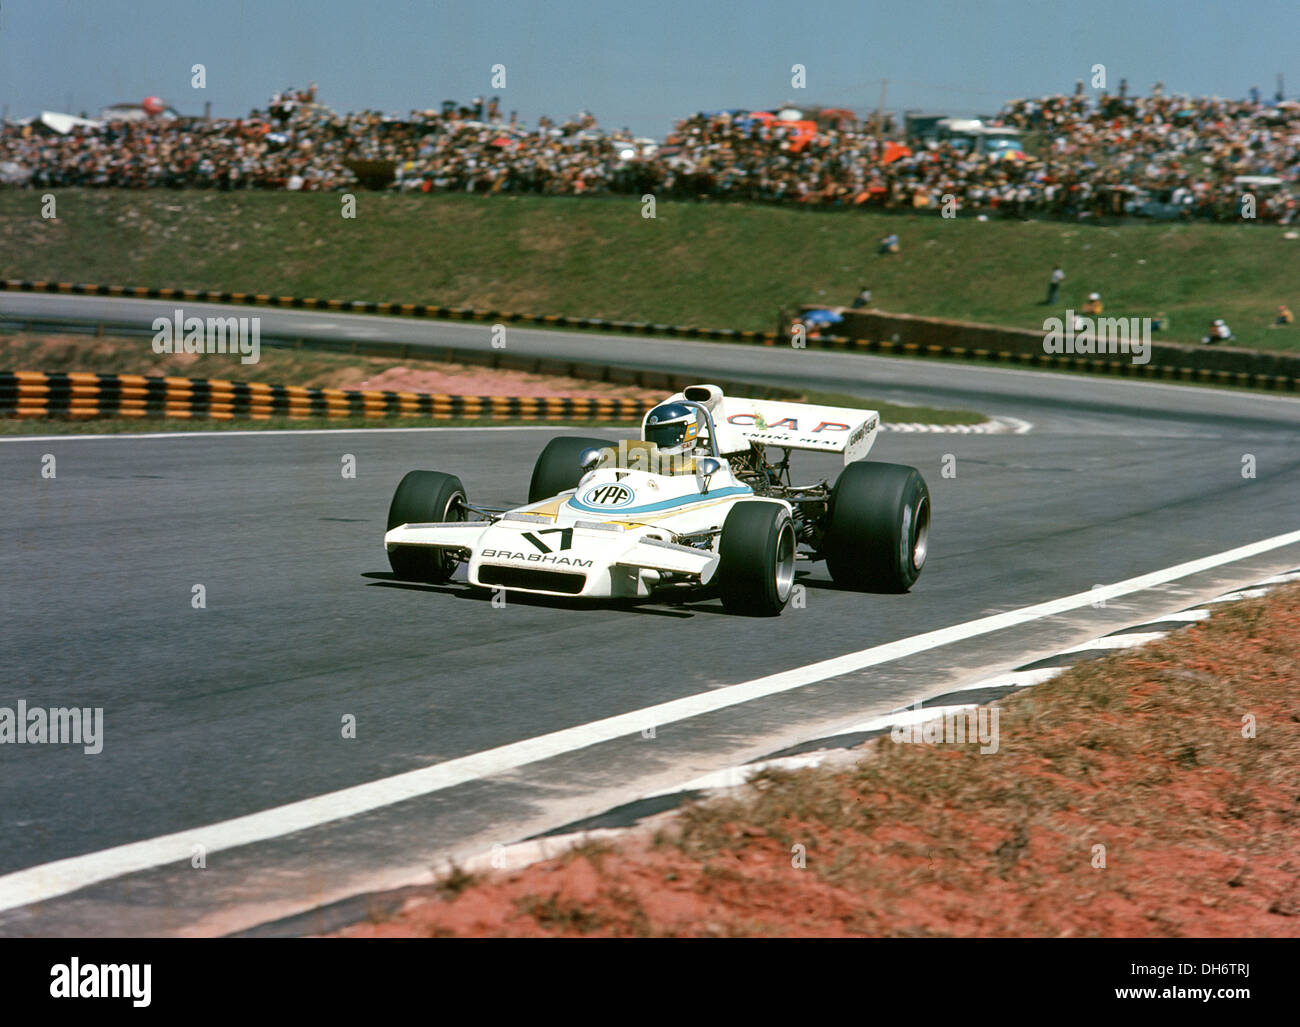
(469, 380)
(1143, 752)
(24, 351)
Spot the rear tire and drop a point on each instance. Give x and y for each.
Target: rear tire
(877, 527)
(757, 559)
(557, 468)
(423, 497)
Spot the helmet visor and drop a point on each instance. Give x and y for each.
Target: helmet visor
(666, 436)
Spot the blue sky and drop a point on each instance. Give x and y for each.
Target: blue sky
(641, 65)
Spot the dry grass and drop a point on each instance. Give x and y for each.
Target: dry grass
(730, 265)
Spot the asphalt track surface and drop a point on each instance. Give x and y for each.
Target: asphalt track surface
(212, 714)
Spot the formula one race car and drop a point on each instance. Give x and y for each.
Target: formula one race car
(696, 503)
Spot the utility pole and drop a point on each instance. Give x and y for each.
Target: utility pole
(880, 111)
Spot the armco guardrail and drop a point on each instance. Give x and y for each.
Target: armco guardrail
(865, 332)
(31, 394)
(261, 299)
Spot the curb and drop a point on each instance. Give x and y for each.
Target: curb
(890, 347)
(1000, 425)
(32, 394)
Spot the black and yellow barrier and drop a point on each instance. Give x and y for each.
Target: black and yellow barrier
(32, 394)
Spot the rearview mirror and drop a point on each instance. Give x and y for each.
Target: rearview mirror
(588, 459)
(705, 468)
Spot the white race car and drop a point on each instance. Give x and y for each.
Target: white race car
(695, 504)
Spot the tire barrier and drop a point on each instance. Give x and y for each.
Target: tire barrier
(32, 394)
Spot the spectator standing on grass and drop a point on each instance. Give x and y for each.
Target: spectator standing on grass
(1054, 285)
(863, 298)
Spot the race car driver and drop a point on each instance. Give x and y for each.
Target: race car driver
(675, 429)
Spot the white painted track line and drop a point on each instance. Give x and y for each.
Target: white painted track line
(734, 777)
(48, 880)
(1232, 597)
(1282, 579)
(1015, 679)
(1117, 641)
(1184, 616)
(918, 714)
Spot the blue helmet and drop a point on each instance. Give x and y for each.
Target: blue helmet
(673, 427)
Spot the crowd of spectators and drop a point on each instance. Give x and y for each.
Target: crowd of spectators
(1088, 156)
(299, 144)
(1188, 152)
(1085, 155)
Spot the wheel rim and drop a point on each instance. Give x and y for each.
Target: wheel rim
(784, 571)
(920, 533)
(455, 511)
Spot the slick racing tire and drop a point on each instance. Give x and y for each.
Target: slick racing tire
(756, 558)
(557, 468)
(425, 497)
(877, 527)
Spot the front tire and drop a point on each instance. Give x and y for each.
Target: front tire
(878, 527)
(756, 558)
(425, 497)
(557, 468)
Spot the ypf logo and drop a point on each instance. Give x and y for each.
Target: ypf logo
(608, 495)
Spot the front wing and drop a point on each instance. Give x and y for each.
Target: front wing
(588, 559)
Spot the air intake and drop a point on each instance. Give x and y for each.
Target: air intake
(536, 581)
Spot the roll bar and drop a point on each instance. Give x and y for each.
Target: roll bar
(708, 421)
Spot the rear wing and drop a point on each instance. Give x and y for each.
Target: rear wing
(774, 422)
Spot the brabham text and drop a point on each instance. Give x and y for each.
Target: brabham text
(505, 554)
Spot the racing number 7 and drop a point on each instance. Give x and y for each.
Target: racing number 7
(566, 538)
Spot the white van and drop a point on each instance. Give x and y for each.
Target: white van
(973, 135)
